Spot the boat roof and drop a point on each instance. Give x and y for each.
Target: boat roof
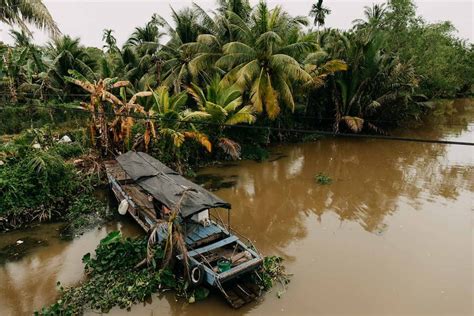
(167, 186)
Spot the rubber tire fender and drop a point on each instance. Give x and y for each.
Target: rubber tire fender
(196, 275)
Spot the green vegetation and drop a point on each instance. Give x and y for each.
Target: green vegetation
(20, 12)
(118, 277)
(245, 65)
(273, 272)
(323, 179)
(113, 278)
(37, 184)
(184, 97)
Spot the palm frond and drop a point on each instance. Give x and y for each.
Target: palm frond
(230, 147)
(354, 123)
(244, 115)
(200, 138)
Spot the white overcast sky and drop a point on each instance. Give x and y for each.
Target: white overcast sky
(87, 18)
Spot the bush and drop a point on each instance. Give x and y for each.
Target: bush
(39, 178)
(68, 150)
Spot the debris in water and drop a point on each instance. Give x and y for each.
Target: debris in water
(20, 248)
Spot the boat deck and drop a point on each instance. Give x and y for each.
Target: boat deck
(140, 207)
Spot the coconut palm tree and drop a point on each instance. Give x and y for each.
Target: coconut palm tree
(374, 81)
(179, 51)
(146, 38)
(220, 105)
(67, 54)
(172, 118)
(263, 59)
(23, 12)
(109, 40)
(319, 12)
(374, 16)
(241, 8)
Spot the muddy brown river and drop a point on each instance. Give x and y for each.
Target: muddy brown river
(391, 235)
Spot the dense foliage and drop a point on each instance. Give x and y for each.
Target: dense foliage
(37, 183)
(371, 76)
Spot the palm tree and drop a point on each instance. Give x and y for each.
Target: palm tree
(67, 54)
(221, 103)
(172, 124)
(179, 51)
(186, 27)
(146, 37)
(263, 59)
(241, 8)
(374, 81)
(373, 16)
(221, 106)
(319, 12)
(21, 12)
(172, 118)
(109, 39)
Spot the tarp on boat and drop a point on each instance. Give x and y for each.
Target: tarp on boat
(166, 185)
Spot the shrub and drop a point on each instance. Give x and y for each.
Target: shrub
(39, 178)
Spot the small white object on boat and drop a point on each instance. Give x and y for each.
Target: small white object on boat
(123, 207)
(202, 218)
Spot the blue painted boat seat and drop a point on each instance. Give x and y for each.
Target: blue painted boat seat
(196, 232)
(216, 245)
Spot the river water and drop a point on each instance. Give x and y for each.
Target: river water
(391, 235)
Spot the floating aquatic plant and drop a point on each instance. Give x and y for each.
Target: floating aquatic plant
(323, 179)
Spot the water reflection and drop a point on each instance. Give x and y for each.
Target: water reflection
(369, 179)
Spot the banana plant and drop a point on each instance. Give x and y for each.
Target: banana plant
(113, 133)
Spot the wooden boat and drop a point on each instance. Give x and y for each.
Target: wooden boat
(218, 256)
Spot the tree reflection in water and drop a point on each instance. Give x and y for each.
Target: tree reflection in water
(272, 199)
